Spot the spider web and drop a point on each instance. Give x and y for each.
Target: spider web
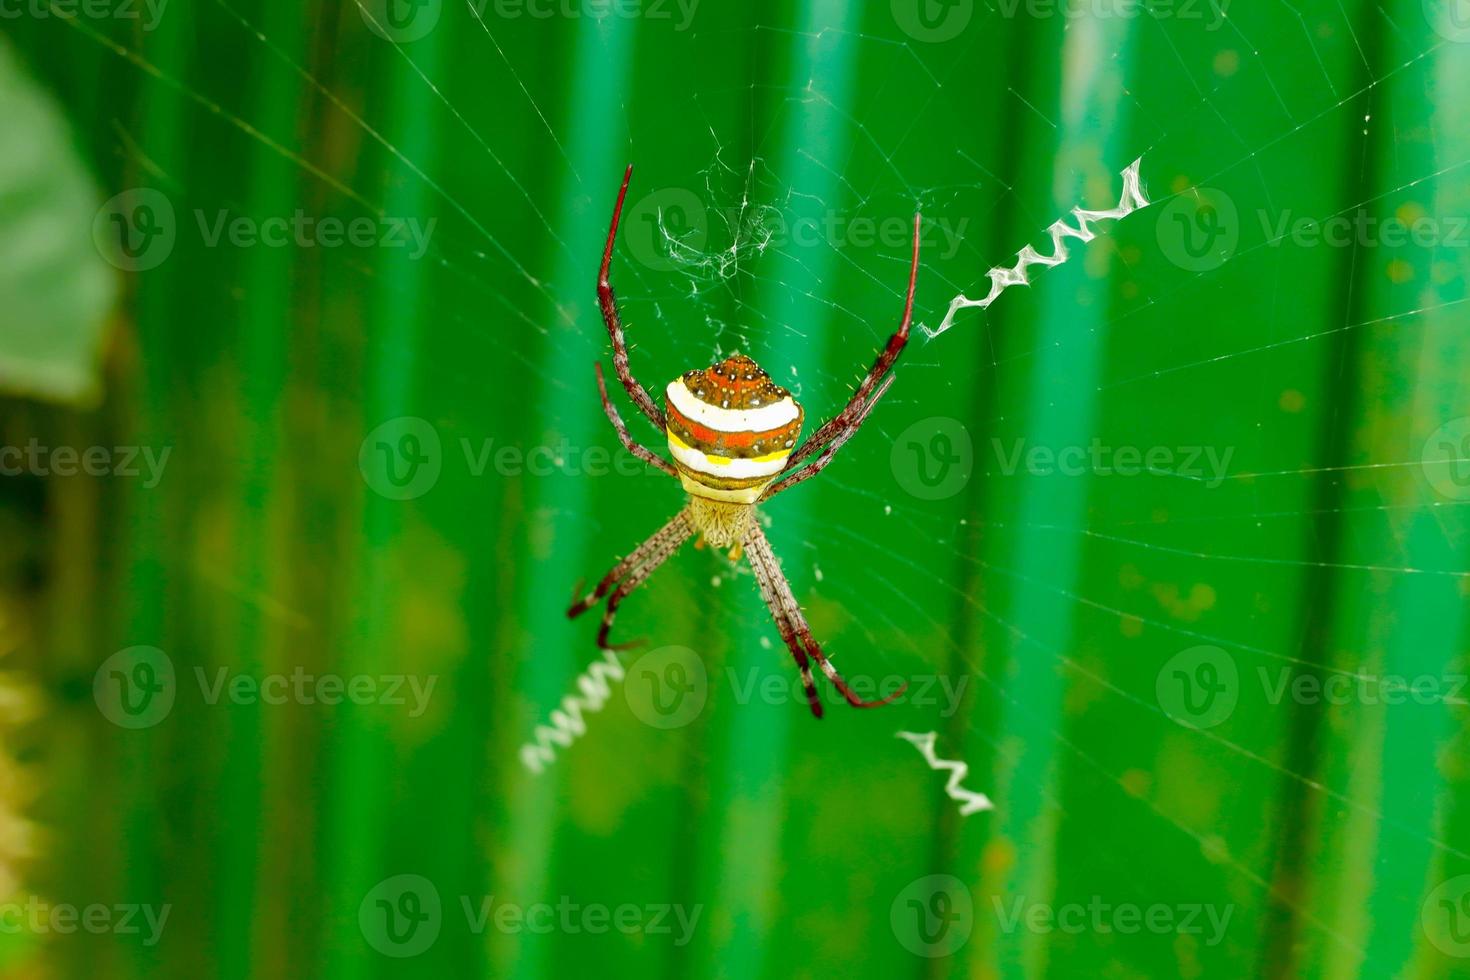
(1060, 600)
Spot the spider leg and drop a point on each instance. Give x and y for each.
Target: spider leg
(632, 572)
(609, 304)
(852, 697)
(793, 477)
(642, 452)
(639, 576)
(661, 543)
(857, 408)
(768, 573)
(765, 568)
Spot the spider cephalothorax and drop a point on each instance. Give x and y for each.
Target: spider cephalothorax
(732, 432)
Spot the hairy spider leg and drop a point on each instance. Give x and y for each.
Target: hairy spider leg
(855, 410)
(792, 478)
(632, 572)
(609, 305)
(762, 562)
(768, 572)
(642, 452)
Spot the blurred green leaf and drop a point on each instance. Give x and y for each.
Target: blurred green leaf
(55, 288)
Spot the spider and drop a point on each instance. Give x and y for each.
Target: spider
(732, 432)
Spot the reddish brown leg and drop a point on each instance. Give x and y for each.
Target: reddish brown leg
(857, 407)
(793, 625)
(664, 542)
(627, 586)
(762, 561)
(792, 478)
(609, 304)
(852, 697)
(642, 452)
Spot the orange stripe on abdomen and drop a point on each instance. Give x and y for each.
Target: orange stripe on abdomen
(717, 442)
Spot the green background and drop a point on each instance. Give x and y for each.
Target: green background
(1067, 609)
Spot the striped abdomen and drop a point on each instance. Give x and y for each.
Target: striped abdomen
(731, 429)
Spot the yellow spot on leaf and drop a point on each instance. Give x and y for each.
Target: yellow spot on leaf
(999, 856)
(1136, 783)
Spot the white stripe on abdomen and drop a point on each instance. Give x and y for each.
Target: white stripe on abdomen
(762, 419)
(730, 469)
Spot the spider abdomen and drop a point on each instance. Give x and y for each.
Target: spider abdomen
(730, 429)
